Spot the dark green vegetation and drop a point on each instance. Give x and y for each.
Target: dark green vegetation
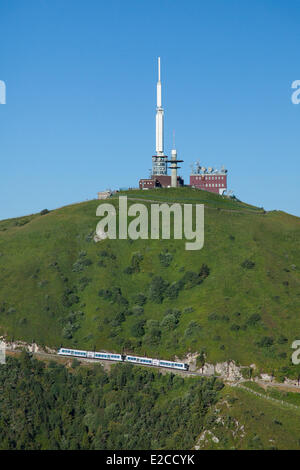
(85, 408)
(50, 406)
(237, 298)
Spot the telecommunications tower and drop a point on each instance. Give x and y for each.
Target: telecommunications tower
(159, 161)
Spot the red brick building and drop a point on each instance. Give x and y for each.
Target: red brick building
(214, 181)
(159, 181)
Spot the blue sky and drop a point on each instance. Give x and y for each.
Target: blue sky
(81, 83)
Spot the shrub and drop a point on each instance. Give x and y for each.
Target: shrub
(114, 295)
(192, 329)
(83, 282)
(137, 328)
(248, 264)
(140, 299)
(224, 318)
(188, 310)
(253, 319)
(265, 342)
(21, 222)
(2, 307)
(90, 236)
(118, 319)
(191, 278)
(200, 360)
(165, 258)
(69, 330)
(213, 317)
(169, 322)
(282, 339)
(128, 270)
(44, 212)
(157, 289)
(282, 355)
(176, 312)
(137, 310)
(153, 333)
(81, 262)
(69, 297)
(173, 289)
(107, 254)
(135, 261)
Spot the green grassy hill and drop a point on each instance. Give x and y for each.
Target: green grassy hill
(241, 420)
(57, 286)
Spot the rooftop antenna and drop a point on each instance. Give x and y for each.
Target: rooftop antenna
(174, 164)
(159, 69)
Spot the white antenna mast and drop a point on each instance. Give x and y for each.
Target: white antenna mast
(159, 69)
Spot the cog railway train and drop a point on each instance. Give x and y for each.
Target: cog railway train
(123, 358)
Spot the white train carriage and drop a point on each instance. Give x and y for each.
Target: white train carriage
(174, 365)
(72, 352)
(90, 354)
(156, 362)
(139, 360)
(108, 356)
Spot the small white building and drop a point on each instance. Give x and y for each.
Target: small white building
(104, 194)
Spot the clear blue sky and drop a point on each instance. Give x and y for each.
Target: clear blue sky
(81, 83)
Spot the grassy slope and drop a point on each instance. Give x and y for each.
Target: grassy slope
(32, 286)
(241, 420)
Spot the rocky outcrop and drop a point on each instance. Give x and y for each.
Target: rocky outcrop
(100, 235)
(267, 377)
(21, 345)
(226, 370)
